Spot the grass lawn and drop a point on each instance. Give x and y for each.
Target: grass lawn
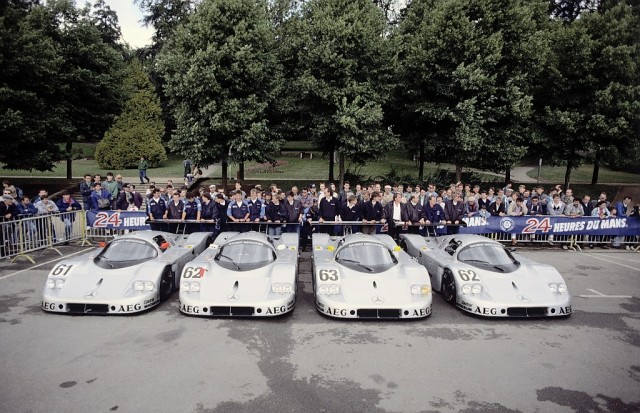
(171, 168)
(583, 175)
(318, 167)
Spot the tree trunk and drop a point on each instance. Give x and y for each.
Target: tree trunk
(69, 148)
(241, 171)
(596, 169)
(458, 173)
(421, 162)
(331, 164)
(567, 175)
(341, 169)
(507, 175)
(225, 174)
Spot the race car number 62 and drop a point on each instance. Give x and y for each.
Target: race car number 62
(328, 275)
(194, 272)
(467, 275)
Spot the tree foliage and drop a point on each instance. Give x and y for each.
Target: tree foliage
(221, 71)
(138, 130)
(341, 67)
(464, 75)
(60, 82)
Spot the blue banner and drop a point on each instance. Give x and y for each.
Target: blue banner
(117, 219)
(552, 225)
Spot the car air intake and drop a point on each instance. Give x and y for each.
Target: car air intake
(231, 311)
(88, 308)
(527, 311)
(379, 313)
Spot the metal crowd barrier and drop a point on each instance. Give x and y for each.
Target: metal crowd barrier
(21, 237)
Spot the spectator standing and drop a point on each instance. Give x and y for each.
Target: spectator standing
(574, 209)
(68, 204)
(413, 213)
(209, 214)
(556, 207)
(238, 211)
(156, 208)
(192, 211)
(372, 213)
(328, 210)
(187, 164)
(112, 186)
(351, 211)
(587, 205)
(497, 208)
(100, 198)
(175, 209)
(143, 165)
(471, 207)
(293, 213)
(85, 192)
(535, 208)
(601, 211)
(453, 213)
(624, 208)
(395, 215)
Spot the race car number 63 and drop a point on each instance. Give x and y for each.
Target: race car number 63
(328, 275)
(467, 275)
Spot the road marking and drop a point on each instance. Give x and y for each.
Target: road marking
(600, 295)
(44, 263)
(613, 262)
(627, 259)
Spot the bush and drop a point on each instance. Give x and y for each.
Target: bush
(138, 130)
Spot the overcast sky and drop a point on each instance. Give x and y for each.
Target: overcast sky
(129, 16)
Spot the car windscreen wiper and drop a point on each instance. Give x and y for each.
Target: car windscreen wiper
(357, 263)
(102, 257)
(229, 259)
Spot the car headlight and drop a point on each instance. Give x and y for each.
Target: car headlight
(287, 288)
(59, 283)
(149, 286)
(138, 285)
(184, 286)
(559, 288)
(51, 283)
(417, 289)
(195, 287)
(276, 287)
(329, 289)
(466, 289)
(476, 289)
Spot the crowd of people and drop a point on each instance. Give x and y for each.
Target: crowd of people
(369, 209)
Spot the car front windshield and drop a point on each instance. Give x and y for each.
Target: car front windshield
(124, 252)
(245, 255)
(368, 257)
(488, 256)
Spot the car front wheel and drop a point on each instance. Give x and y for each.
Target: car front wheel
(166, 284)
(448, 287)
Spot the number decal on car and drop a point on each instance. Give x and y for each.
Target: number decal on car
(468, 275)
(62, 269)
(328, 275)
(194, 272)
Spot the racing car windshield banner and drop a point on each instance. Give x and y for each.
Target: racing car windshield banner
(552, 225)
(118, 220)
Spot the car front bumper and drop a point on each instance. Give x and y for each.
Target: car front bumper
(129, 305)
(235, 308)
(336, 309)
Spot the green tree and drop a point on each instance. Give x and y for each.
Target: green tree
(464, 74)
(220, 70)
(29, 64)
(62, 83)
(588, 100)
(138, 130)
(341, 67)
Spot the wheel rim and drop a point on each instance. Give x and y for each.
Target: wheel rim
(448, 287)
(166, 284)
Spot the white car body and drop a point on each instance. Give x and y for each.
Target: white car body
(501, 285)
(368, 277)
(93, 284)
(246, 274)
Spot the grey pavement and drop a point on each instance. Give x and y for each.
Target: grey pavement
(162, 361)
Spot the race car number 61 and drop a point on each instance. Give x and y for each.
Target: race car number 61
(328, 275)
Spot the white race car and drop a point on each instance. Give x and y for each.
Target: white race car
(242, 275)
(480, 276)
(130, 274)
(368, 276)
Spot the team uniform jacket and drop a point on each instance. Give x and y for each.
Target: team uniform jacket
(156, 208)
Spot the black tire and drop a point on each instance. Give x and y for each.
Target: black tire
(167, 281)
(448, 287)
(404, 246)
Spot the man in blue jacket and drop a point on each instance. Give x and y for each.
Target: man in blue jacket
(66, 205)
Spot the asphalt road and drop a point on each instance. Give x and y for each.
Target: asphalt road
(162, 361)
